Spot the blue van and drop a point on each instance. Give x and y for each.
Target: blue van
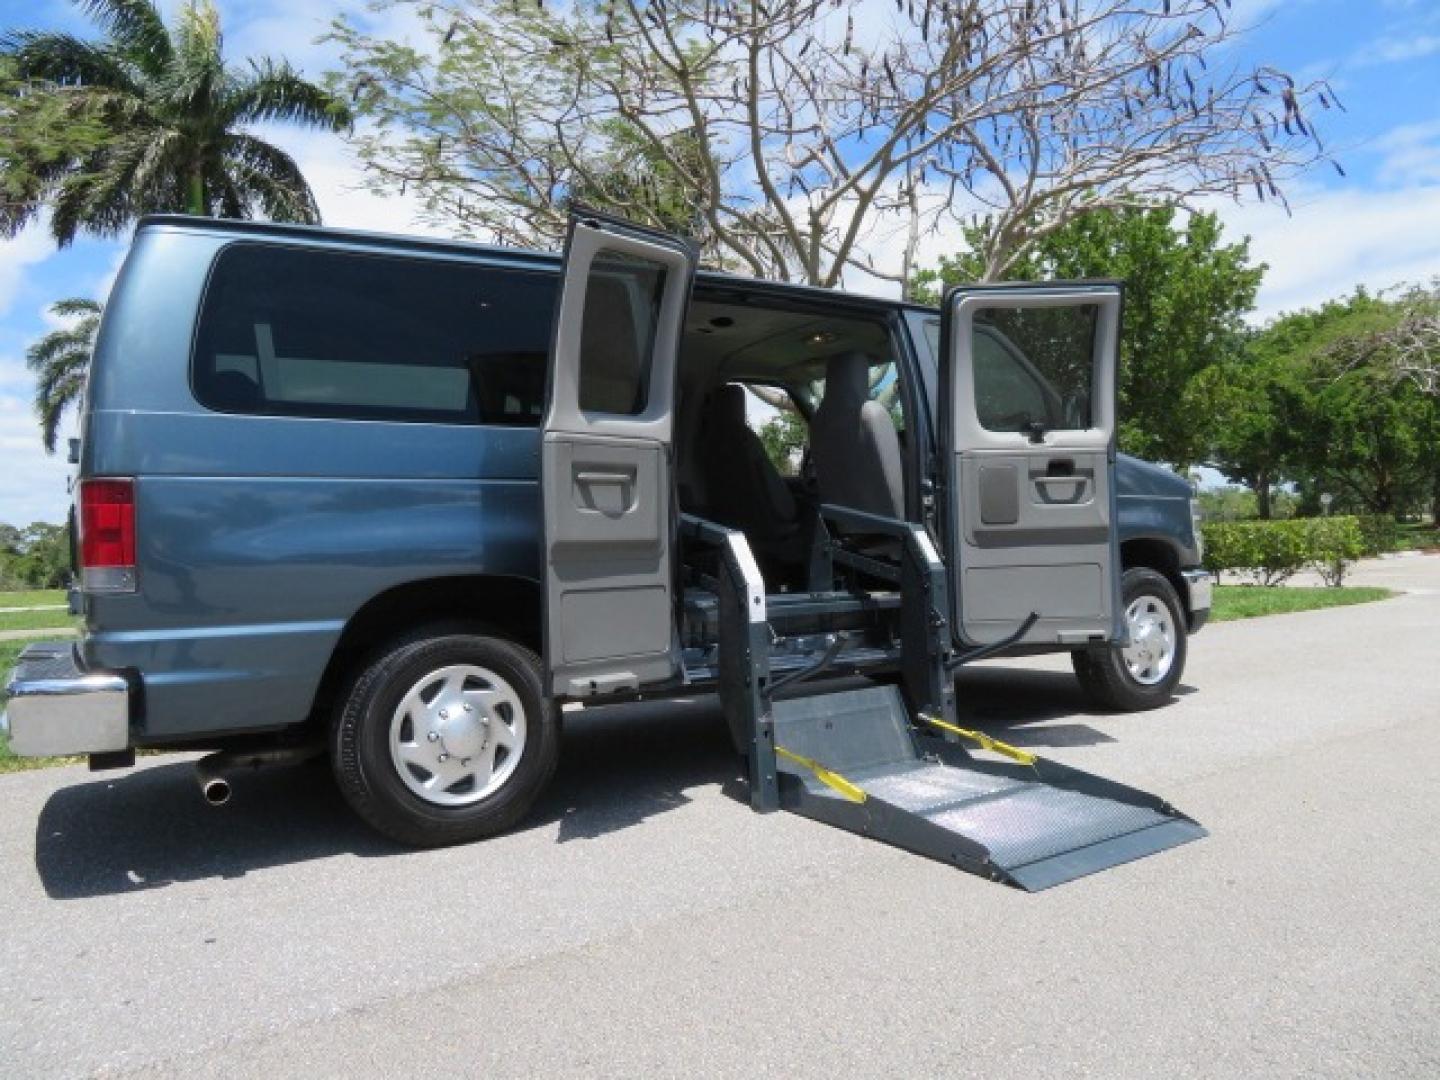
(310, 515)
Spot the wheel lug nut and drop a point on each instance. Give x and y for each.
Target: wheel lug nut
(444, 757)
(469, 708)
(444, 715)
(434, 736)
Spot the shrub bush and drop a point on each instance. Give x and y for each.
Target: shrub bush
(1270, 552)
(1379, 533)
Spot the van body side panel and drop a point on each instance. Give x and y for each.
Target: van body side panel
(248, 582)
(260, 536)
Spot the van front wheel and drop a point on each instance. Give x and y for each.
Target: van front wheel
(1145, 674)
(445, 738)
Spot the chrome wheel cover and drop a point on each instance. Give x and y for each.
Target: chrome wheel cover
(457, 735)
(1151, 652)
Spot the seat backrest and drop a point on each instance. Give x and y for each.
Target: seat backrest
(743, 489)
(853, 443)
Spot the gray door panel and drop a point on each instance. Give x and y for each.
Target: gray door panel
(605, 460)
(1028, 388)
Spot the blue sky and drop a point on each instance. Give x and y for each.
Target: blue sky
(1379, 226)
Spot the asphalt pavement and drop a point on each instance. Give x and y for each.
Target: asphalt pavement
(645, 922)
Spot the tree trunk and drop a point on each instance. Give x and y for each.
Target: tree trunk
(195, 196)
(1262, 494)
(1435, 498)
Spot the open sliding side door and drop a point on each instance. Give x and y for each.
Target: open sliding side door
(1028, 377)
(605, 460)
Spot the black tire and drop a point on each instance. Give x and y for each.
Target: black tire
(370, 778)
(1104, 674)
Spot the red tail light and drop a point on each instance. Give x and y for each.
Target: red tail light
(107, 535)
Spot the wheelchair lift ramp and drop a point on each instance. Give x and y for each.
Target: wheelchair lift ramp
(853, 760)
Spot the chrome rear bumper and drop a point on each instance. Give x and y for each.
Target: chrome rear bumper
(55, 708)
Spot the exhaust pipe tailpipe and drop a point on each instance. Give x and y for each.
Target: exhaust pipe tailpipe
(215, 788)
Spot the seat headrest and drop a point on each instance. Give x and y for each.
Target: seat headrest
(847, 377)
(727, 405)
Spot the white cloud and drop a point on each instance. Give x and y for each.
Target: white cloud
(1410, 154)
(335, 176)
(294, 29)
(1337, 240)
(32, 483)
(29, 248)
(1397, 50)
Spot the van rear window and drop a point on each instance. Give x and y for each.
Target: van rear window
(296, 332)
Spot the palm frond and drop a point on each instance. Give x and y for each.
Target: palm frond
(197, 32)
(117, 184)
(66, 60)
(61, 362)
(166, 110)
(275, 91)
(75, 307)
(136, 25)
(267, 176)
(54, 397)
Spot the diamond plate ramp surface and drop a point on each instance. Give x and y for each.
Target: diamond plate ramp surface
(1033, 827)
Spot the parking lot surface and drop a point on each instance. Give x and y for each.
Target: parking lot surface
(645, 922)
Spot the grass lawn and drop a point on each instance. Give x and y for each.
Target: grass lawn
(1249, 601)
(1419, 537)
(33, 598)
(9, 650)
(35, 620)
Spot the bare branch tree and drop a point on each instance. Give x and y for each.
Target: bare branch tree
(784, 133)
(1408, 348)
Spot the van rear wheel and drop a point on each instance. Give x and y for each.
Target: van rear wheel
(445, 738)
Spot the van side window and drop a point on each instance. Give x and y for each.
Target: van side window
(295, 332)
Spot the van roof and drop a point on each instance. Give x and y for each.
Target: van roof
(525, 256)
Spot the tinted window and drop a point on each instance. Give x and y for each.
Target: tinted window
(1049, 381)
(622, 308)
(317, 333)
(1007, 396)
(1031, 365)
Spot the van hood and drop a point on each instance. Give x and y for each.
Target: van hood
(1134, 476)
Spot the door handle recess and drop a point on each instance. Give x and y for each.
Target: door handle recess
(603, 478)
(1075, 489)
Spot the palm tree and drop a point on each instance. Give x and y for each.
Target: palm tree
(60, 360)
(173, 118)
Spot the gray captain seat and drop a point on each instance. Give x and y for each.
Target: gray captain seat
(743, 489)
(854, 447)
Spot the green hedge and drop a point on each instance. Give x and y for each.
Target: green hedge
(1380, 533)
(1271, 551)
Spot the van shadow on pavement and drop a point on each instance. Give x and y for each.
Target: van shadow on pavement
(619, 767)
(1020, 706)
(149, 828)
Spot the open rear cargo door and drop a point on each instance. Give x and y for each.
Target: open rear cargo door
(1028, 375)
(605, 467)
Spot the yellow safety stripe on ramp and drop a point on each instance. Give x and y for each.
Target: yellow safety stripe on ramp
(1014, 753)
(828, 777)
